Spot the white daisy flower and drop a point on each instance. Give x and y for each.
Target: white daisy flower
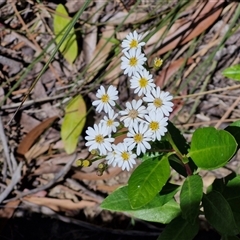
(97, 139)
(111, 156)
(133, 61)
(124, 158)
(139, 136)
(157, 124)
(134, 113)
(132, 41)
(142, 81)
(106, 99)
(159, 101)
(109, 121)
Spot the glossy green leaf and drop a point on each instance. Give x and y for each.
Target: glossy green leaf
(147, 181)
(69, 47)
(219, 214)
(73, 123)
(117, 201)
(211, 148)
(168, 191)
(232, 195)
(232, 190)
(232, 72)
(190, 197)
(234, 129)
(161, 214)
(156, 210)
(178, 229)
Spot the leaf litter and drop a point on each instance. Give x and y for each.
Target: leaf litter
(185, 43)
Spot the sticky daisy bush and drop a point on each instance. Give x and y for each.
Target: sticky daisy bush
(153, 149)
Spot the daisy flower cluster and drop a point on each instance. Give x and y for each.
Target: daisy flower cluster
(144, 119)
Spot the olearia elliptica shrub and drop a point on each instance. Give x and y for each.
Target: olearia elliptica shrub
(161, 149)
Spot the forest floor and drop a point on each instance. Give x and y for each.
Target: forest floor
(46, 195)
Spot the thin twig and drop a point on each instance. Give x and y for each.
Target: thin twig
(6, 152)
(15, 179)
(59, 175)
(31, 102)
(196, 124)
(208, 92)
(226, 114)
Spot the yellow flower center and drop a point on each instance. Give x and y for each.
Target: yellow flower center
(125, 156)
(99, 138)
(143, 82)
(157, 102)
(154, 126)
(133, 61)
(133, 113)
(138, 138)
(109, 122)
(105, 98)
(133, 43)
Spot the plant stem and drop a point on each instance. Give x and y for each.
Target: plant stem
(179, 154)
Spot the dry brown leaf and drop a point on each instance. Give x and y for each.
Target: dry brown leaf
(46, 168)
(53, 165)
(90, 40)
(169, 71)
(38, 149)
(108, 189)
(114, 69)
(8, 210)
(183, 30)
(59, 205)
(101, 52)
(126, 18)
(28, 122)
(33, 135)
(39, 92)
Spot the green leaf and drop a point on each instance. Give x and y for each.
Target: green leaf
(211, 148)
(69, 47)
(219, 214)
(179, 229)
(232, 72)
(219, 184)
(190, 197)
(177, 165)
(182, 145)
(161, 214)
(178, 138)
(229, 238)
(232, 191)
(147, 180)
(156, 210)
(151, 155)
(117, 201)
(234, 129)
(232, 195)
(73, 123)
(168, 191)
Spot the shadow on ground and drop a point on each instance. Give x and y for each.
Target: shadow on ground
(40, 227)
